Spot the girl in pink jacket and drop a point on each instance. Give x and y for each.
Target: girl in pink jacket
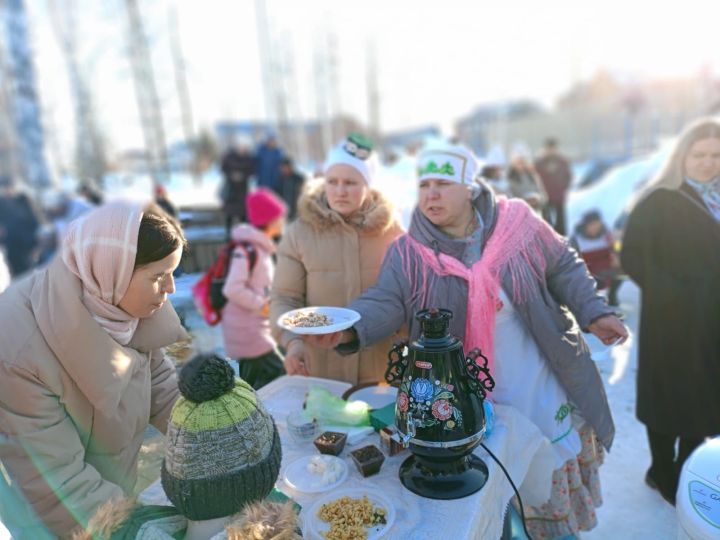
(245, 325)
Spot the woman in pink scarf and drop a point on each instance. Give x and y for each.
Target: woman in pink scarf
(506, 276)
(82, 367)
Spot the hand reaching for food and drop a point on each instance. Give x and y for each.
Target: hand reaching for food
(296, 358)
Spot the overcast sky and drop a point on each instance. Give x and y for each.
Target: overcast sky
(436, 60)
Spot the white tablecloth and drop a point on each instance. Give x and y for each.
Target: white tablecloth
(514, 440)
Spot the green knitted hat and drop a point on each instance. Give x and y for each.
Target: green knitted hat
(222, 449)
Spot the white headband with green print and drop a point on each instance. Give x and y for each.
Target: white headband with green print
(455, 163)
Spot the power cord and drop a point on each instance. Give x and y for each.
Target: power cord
(507, 475)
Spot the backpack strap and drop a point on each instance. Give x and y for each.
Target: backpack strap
(250, 253)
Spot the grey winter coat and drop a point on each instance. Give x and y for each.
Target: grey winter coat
(567, 286)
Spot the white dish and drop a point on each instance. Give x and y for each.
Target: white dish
(377, 396)
(342, 319)
(315, 526)
(299, 478)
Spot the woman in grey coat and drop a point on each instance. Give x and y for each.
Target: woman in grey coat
(518, 281)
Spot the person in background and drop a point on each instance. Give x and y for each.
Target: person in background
(163, 201)
(20, 222)
(91, 193)
(245, 325)
(61, 209)
(222, 459)
(291, 186)
(238, 164)
(269, 157)
(330, 254)
(83, 371)
(596, 245)
(510, 282)
(671, 249)
(556, 175)
(492, 171)
(523, 181)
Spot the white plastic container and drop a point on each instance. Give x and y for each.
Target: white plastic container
(698, 495)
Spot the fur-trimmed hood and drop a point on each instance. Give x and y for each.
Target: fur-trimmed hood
(376, 216)
(259, 521)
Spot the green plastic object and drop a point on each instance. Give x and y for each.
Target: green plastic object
(380, 418)
(332, 410)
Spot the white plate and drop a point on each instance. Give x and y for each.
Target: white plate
(315, 525)
(377, 396)
(342, 319)
(300, 479)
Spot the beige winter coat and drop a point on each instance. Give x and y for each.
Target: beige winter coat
(325, 261)
(74, 404)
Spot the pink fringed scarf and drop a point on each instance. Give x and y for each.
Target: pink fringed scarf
(516, 246)
(100, 248)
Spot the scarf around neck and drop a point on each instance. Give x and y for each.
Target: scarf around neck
(710, 193)
(99, 248)
(517, 246)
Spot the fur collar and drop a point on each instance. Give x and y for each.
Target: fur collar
(265, 521)
(375, 217)
(107, 519)
(259, 521)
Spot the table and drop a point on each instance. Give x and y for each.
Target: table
(515, 441)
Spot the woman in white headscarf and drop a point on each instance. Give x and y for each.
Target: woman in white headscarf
(330, 254)
(82, 368)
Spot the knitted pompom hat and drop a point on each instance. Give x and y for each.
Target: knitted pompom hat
(357, 152)
(264, 207)
(222, 448)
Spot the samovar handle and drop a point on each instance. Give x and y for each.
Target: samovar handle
(479, 378)
(397, 363)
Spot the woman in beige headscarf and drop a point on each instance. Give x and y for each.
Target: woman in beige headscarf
(82, 369)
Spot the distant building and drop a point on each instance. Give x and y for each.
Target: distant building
(485, 126)
(608, 115)
(410, 138)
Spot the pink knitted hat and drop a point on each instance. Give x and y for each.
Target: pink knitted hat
(263, 207)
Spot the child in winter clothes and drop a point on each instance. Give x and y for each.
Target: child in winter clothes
(246, 330)
(596, 245)
(222, 459)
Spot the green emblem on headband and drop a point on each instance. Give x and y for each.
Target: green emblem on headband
(432, 168)
(358, 145)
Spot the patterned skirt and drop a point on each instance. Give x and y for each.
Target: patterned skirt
(575, 494)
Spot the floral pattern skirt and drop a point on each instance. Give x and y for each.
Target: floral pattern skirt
(575, 494)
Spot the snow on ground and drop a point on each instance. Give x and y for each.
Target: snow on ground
(631, 511)
(183, 189)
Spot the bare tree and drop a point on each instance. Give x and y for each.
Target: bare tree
(20, 96)
(146, 94)
(181, 85)
(90, 158)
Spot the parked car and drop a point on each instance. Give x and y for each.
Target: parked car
(588, 172)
